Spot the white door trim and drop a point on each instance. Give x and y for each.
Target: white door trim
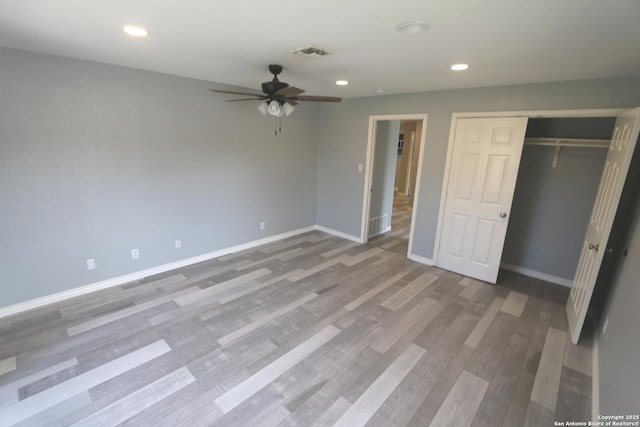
(603, 112)
(368, 172)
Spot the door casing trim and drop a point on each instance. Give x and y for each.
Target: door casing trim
(368, 172)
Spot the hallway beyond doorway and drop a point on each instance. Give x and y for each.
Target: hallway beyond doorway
(396, 240)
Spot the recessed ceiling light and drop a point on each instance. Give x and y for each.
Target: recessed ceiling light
(412, 27)
(380, 90)
(342, 82)
(459, 67)
(132, 30)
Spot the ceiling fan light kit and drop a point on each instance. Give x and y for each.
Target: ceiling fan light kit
(263, 107)
(287, 109)
(274, 108)
(279, 98)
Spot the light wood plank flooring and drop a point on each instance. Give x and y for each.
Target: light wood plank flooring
(309, 331)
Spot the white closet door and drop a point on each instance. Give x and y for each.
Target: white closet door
(616, 165)
(482, 178)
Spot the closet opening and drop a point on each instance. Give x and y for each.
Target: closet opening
(560, 169)
(573, 169)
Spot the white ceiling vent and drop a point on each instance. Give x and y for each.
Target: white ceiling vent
(310, 52)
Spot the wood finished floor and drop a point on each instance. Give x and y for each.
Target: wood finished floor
(313, 330)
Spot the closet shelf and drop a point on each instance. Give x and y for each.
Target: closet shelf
(560, 143)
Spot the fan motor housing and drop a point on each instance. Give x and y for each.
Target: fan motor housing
(270, 88)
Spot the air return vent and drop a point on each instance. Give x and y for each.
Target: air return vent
(310, 52)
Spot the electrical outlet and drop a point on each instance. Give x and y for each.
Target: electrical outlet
(604, 327)
(91, 264)
(262, 225)
(178, 244)
(135, 253)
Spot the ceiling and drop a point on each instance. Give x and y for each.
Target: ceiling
(232, 42)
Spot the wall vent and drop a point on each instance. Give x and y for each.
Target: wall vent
(310, 52)
(379, 225)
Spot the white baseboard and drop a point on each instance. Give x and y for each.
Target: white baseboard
(116, 281)
(338, 233)
(60, 296)
(595, 377)
(420, 259)
(537, 274)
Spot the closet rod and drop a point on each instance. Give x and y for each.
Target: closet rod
(568, 142)
(559, 143)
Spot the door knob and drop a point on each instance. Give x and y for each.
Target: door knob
(503, 214)
(594, 246)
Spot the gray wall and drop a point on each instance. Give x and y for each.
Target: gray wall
(619, 347)
(551, 206)
(343, 140)
(96, 160)
(571, 127)
(384, 168)
(551, 209)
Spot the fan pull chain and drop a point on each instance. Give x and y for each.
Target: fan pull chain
(277, 125)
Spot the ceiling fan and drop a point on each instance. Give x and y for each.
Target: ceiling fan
(279, 97)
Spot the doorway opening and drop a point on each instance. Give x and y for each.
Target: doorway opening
(392, 179)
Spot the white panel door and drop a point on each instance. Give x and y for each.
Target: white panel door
(623, 142)
(482, 178)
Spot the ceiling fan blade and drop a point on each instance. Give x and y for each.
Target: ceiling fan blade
(246, 99)
(292, 102)
(289, 91)
(232, 92)
(318, 98)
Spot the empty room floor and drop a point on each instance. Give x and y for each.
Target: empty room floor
(310, 330)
